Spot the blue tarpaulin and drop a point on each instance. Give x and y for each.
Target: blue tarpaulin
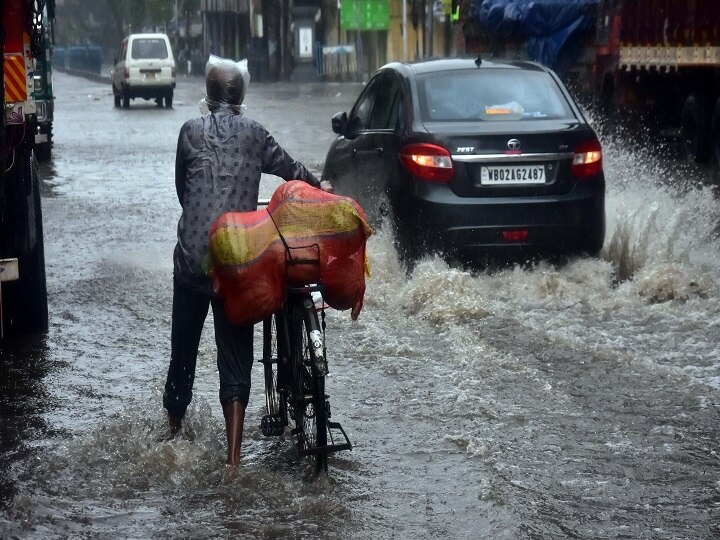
(553, 29)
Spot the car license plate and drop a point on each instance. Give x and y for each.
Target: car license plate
(512, 174)
(150, 75)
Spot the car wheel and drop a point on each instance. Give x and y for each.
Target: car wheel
(695, 130)
(117, 98)
(593, 239)
(125, 100)
(407, 245)
(168, 100)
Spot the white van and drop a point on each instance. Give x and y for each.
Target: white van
(144, 67)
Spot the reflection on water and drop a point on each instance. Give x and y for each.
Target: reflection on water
(24, 399)
(48, 174)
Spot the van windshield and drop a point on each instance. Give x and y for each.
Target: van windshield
(143, 48)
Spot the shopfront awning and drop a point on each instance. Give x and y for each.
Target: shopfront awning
(218, 6)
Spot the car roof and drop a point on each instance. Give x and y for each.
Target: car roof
(445, 64)
(148, 35)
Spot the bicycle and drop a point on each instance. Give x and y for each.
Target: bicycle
(295, 366)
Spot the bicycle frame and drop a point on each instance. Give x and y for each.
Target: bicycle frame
(295, 366)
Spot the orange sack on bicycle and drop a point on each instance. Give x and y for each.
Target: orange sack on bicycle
(305, 236)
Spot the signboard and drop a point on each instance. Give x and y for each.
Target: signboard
(305, 36)
(9, 270)
(222, 6)
(15, 79)
(365, 14)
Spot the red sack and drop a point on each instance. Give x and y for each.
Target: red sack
(324, 234)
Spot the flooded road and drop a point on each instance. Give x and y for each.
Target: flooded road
(571, 401)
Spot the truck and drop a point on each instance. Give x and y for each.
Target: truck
(658, 60)
(42, 92)
(23, 289)
(661, 58)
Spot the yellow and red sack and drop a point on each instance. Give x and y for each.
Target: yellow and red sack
(247, 254)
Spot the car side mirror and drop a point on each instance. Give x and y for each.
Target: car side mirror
(339, 123)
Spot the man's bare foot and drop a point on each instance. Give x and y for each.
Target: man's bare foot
(230, 473)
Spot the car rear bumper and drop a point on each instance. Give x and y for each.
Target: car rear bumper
(568, 222)
(149, 90)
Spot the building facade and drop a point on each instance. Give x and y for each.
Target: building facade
(327, 39)
(282, 39)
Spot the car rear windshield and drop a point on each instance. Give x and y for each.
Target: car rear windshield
(492, 95)
(143, 48)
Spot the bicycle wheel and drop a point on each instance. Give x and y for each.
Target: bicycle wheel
(309, 401)
(274, 361)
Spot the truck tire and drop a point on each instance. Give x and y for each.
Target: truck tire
(695, 130)
(24, 302)
(715, 132)
(43, 151)
(169, 99)
(125, 99)
(607, 96)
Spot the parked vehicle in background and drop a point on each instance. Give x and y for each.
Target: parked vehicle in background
(663, 60)
(657, 59)
(42, 93)
(23, 290)
(145, 68)
(470, 157)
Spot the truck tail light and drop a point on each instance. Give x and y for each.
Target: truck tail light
(127, 73)
(173, 70)
(587, 159)
(428, 162)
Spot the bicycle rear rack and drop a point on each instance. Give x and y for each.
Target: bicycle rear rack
(337, 441)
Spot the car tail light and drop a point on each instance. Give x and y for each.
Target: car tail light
(517, 235)
(587, 159)
(428, 162)
(173, 71)
(127, 73)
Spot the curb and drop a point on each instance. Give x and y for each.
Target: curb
(96, 77)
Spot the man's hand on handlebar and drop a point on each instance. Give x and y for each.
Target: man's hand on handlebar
(325, 185)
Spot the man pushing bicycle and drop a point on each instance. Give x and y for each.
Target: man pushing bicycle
(218, 166)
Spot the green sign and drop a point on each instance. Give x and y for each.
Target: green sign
(365, 14)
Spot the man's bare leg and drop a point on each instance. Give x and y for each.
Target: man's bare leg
(234, 413)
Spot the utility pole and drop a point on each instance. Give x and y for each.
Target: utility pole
(404, 29)
(430, 16)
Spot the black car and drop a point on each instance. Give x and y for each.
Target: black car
(468, 156)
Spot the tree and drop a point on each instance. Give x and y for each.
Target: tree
(138, 15)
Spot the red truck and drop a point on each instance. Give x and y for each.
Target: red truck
(662, 58)
(657, 58)
(23, 292)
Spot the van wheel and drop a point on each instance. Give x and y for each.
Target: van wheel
(118, 99)
(168, 100)
(125, 100)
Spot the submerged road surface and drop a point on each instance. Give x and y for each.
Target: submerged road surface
(557, 401)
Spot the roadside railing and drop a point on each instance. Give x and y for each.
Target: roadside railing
(339, 63)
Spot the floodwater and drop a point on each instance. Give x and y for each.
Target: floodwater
(579, 400)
